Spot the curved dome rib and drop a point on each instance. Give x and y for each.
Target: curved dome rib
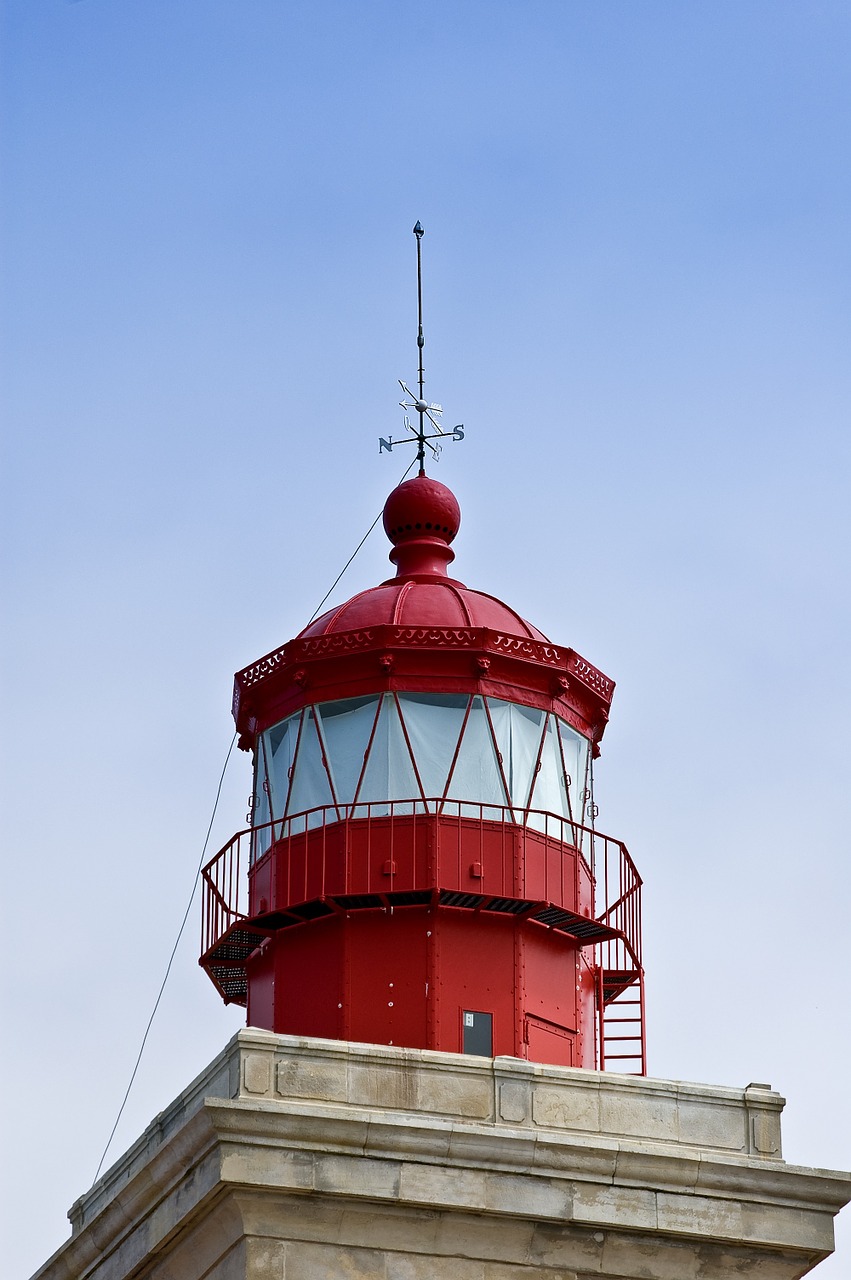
(459, 595)
(400, 602)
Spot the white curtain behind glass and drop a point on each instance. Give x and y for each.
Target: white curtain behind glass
(280, 753)
(260, 807)
(476, 775)
(518, 738)
(310, 785)
(549, 794)
(346, 727)
(389, 771)
(433, 722)
(333, 738)
(575, 752)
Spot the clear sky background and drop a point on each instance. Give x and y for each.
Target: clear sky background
(637, 262)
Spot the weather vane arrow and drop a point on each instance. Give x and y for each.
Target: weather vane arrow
(429, 414)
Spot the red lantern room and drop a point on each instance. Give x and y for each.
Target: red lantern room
(422, 866)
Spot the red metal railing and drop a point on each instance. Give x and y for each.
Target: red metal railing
(618, 890)
(225, 890)
(405, 846)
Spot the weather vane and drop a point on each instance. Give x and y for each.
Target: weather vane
(429, 414)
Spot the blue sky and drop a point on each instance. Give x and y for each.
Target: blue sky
(637, 300)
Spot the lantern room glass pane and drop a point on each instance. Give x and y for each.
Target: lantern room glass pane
(434, 723)
(279, 744)
(273, 759)
(574, 749)
(549, 794)
(389, 771)
(310, 786)
(260, 806)
(518, 738)
(346, 727)
(476, 775)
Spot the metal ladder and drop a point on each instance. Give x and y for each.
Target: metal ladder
(620, 1021)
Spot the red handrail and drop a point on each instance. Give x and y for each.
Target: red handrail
(615, 882)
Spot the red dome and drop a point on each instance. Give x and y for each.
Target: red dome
(421, 517)
(408, 602)
(421, 631)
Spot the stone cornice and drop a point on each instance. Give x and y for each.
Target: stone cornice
(419, 1132)
(347, 1130)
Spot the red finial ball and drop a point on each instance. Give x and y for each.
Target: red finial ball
(421, 508)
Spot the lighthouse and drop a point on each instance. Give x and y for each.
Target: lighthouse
(443, 1076)
(422, 868)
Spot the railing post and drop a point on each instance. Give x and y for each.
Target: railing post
(601, 1054)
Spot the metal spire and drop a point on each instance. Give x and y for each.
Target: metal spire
(419, 233)
(429, 413)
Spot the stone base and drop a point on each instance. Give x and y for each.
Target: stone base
(296, 1159)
